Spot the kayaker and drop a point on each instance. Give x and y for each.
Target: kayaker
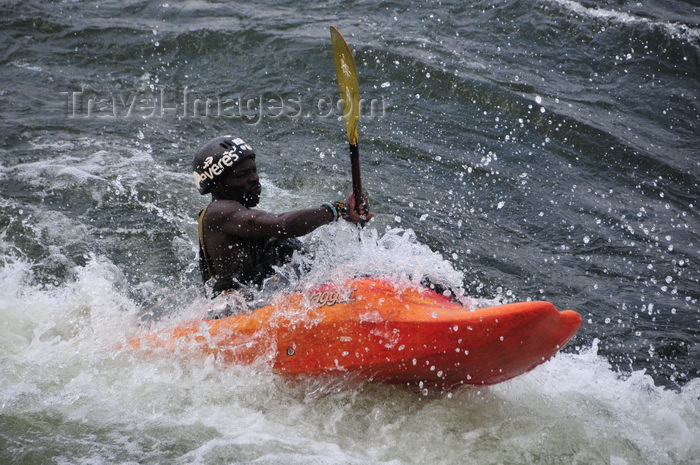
(239, 245)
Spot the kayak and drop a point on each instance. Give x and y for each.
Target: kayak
(378, 330)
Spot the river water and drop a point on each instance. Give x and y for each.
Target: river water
(517, 150)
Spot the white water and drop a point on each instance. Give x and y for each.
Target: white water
(68, 396)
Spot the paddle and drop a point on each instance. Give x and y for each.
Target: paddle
(349, 87)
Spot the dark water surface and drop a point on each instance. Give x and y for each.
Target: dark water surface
(522, 150)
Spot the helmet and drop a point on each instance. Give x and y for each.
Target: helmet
(217, 158)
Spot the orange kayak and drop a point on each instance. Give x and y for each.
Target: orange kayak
(377, 330)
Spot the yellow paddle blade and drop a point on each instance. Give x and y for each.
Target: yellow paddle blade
(348, 83)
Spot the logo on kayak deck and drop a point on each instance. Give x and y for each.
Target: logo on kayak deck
(329, 298)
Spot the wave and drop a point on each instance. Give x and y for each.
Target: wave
(674, 29)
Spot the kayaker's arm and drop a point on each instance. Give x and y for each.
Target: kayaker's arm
(234, 219)
(256, 223)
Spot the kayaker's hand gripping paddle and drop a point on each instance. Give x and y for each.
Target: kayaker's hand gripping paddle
(349, 87)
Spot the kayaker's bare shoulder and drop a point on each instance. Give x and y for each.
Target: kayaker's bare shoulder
(220, 212)
(225, 207)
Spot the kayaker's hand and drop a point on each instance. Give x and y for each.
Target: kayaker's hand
(359, 215)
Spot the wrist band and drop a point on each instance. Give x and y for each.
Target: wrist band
(333, 209)
(337, 208)
(341, 209)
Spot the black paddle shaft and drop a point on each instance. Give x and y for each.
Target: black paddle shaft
(356, 179)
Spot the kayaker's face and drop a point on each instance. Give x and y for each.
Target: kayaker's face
(243, 183)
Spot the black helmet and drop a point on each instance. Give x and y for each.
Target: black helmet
(216, 158)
